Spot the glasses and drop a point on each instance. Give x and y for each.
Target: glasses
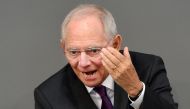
(92, 52)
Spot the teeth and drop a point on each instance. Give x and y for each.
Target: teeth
(89, 74)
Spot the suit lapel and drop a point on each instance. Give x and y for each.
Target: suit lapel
(83, 100)
(120, 98)
(80, 94)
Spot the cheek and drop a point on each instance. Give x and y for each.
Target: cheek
(98, 61)
(99, 65)
(73, 63)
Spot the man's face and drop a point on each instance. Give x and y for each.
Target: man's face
(82, 35)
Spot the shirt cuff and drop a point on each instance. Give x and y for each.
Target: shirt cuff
(136, 104)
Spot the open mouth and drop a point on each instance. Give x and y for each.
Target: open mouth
(90, 72)
(91, 75)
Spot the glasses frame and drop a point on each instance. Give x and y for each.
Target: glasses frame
(88, 51)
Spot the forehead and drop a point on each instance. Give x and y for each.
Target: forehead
(85, 30)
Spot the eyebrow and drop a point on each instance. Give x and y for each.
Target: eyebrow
(70, 48)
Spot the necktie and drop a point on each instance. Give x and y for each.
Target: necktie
(106, 103)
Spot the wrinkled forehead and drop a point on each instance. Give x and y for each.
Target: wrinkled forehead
(84, 33)
(85, 27)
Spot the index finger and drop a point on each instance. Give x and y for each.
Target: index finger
(116, 53)
(109, 56)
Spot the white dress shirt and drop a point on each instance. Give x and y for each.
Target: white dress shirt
(109, 84)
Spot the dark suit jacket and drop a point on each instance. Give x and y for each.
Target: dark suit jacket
(65, 91)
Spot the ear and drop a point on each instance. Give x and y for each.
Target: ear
(117, 41)
(62, 44)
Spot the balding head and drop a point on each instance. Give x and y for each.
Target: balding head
(87, 10)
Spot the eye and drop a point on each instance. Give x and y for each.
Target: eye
(74, 52)
(93, 51)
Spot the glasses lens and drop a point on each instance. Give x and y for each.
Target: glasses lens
(93, 51)
(73, 53)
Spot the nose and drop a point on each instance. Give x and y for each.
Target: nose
(84, 60)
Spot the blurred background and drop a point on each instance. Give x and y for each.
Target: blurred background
(30, 50)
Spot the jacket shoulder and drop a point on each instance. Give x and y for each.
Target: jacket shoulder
(143, 58)
(55, 91)
(55, 82)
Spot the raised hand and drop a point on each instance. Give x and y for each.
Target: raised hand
(121, 69)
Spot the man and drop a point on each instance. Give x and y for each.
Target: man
(91, 45)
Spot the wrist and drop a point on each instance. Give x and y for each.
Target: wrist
(137, 96)
(135, 93)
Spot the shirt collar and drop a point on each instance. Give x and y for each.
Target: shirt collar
(108, 83)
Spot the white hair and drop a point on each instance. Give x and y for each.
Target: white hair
(90, 9)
